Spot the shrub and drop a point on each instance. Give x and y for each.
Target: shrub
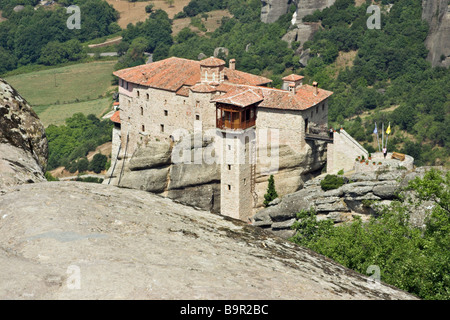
(271, 193)
(331, 182)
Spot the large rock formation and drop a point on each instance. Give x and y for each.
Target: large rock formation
(437, 14)
(163, 168)
(23, 144)
(363, 195)
(73, 240)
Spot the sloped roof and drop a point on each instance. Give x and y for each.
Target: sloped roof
(173, 73)
(241, 97)
(292, 77)
(303, 98)
(212, 62)
(115, 117)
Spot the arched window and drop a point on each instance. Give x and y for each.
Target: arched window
(142, 111)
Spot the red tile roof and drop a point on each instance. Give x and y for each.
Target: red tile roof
(203, 88)
(212, 62)
(115, 117)
(173, 73)
(241, 96)
(303, 98)
(292, 77)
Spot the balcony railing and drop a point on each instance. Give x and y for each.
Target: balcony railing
(234, 125)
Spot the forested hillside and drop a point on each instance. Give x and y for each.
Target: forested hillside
(386, 79)
(389, 79)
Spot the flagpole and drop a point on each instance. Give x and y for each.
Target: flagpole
(388, 133)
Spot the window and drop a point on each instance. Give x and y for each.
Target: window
(229, 187)
(245, 182)
(162, 128)
(166, 113)
(229, 147)
(317, 109)
(148, 96)
(197, 104)
(142, 111)
(323, 107)
(197, 117)
(143, 128)
(229, 167)
(138, 93)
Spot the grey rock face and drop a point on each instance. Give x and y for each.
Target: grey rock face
(437, 14)
(69, 240)
(363, 198)
(23, 143)
(151, 168)
(273, 9)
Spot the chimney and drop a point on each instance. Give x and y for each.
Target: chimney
(292, 88)
(232, 64)
(316, 88)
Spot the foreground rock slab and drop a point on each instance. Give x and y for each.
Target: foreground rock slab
(73, 240)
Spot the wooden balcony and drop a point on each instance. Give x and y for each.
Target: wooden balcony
(234, 125)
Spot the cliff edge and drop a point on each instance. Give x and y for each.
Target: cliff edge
(73, 240)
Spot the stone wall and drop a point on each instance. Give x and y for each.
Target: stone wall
(343, 152)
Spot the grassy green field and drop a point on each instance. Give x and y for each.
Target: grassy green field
(55, 94)
(57, 114)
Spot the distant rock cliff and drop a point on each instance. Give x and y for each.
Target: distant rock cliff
(23, 144)
(437, 14)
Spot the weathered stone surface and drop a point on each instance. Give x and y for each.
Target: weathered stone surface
(24, 146)
(184, 175)
(437, 14)
(205, 196)
(151, 180)
(130, 244)
(153, 155)
(386, 191)
(283, 224)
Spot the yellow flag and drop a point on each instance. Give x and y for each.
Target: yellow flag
(388, 131)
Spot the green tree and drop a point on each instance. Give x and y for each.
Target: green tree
(98, 163)
(271, 192)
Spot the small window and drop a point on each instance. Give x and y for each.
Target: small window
(143, 128)
(162, 128)
(323, 107)
(138, 94)
(148, 96)
(166, 113)
(229, 147)
(197, 117)
(245, 182)
(317, 109)
(142, 111)
(229, 167)
(197, 104)
(229, 187)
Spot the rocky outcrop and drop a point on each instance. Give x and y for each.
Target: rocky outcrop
(158, 168)
(271, 10)
(73, 240)
(23, 144)
(363, 195)
(437, 14)
(294, 169)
